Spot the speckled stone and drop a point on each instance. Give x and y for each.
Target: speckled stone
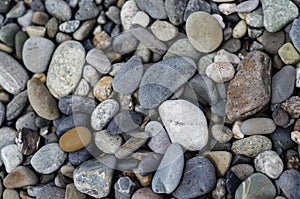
(76, 104)
(155, 8)
(195, 6)
(251, 146)
(128, 11)
(65, 68)
(288, 183)
(73, 193)
(220, 72)
(16, 105)
(175, 10)
(124, 188)
(221, 133)
(76, 119)
(259, 126)
(99, 60)
(59, 9)
(78, 157)
(106, 142)
(69, 26)
(258, 89)
(255, 19)
(87, 10)
(280, 117)
(20, 177)
(11, 157)
(124, 43)
(292, 106)
(51, 192)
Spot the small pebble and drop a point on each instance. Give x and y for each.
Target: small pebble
(124, 188)
(128, 11)
(163, 30)
(295, 136)
(11, 157)
(259, 126)
(156, 8)
(141, 18)
(220, 72)
(240, 29)
(69, 26)
(20, 177)
(103, 88)
(87, 10)
(146, 193)
(289, 54)
(221, 161)
(73, 193)
(59, 9)
(106, 142)
(242, 171)
(99, 60)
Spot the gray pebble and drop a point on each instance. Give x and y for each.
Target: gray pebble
(124, 188)
(76, 119)
(84, 30)
(272, 41)
(242, 171)
(281, 138)
(99, 60)
(127, 164)
(155, 8)
(16, 105)
(294, 32)
(50, 193)
(59, 9)
(4, 6)
(52, 27)
(20, 39)
(76, 104)
(182, 47)
(106, 142)
(87, 10)
(83, 88)
(256, 126)
(69, 26)
(146, 193)
(149, 164)
(113, 14)
(2, 113)
(255, 19)
(232, 45)
(91, 75)
(221, 133)
(289, 183)
(124, 43)
(11, 157)
(175, 10)
(195, 6)
(17, 11)
(37, 5)
(26, 121)
(78, 157)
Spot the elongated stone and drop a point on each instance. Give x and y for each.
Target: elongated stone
(76, 104)
(16, 105)
(175, 10)
(259, 126)
(20, 177)
(59, 9)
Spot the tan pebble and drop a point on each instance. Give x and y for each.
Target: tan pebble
(220, 71)
(145, 181)
(36, 31)
(103, 88)
(102, 40)
(75, 139)
(227, 8)
(113, 56)
(296, 137)
(242, 15)
(5, 48)
(236, 130)
(40, 18)
(240, 29)
(40, 76)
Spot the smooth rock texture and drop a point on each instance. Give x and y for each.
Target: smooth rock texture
(16, 105)
(13, 76)
(280, 117)
(73, 193)
(99, 60)
(69, 26)
(8, 32)
(59, 9)
(272, 41)
(20, 177)
(256, 186)
(185, 124)
(11, 157)
(220, 72)
(87, 10)
(259, 126)
(41, 100)
(221, 160)
(169, 172)
(182, 47)
(162, 79)
(149, 164)
(255, 67)
(129, 76)
(164, 30)
(94, 177)
(48, 158)
(124, 43)
(288, 54)
(65, 68)
(78, 157)
(155, 8)
(242, 171)
(146, 193)
(294, 34)
(175, 10)
(124, 188)
(76, 104)
(289, 183)
(106, 142)
(204, 31)
(50, 193)
(67, 123)
(251, 146)
(199, 178)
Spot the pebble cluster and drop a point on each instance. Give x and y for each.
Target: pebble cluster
(149, 99)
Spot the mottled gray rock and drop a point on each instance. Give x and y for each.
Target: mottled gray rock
(149, 164)
(26, 121)
(162, 79)
(129, 76)
(48, 158)
(78, 157)
(175, 10)
(199, 178)
(124, 188)
(99, 60)
(50, 193)
(8, 32)
(2, 113)
(256, 126)
(294, 34)
(64, 71)
(255, 19)
(94, 177)
(69, 26)
(169, 172)
(84, 30)
(16, 105)
(20, 177)
(11, 157)
(283, 84)
(76, 104)
(106, 142)
(87, 10)
(13, 76)
(164, 30)
(289, 183)
(73, 193)
(155, 8)
(124, 43)
(242, 171)
(59, 9)
(195, 6)
(221, 133)
(52, 27)
(17, 11)
(182, 47)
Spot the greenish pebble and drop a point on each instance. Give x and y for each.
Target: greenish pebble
(20, 39)
(8, 32)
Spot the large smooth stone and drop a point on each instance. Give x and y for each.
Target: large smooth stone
(162, 79)
(13, 77)
(155, 8)
(76, 104)
(185, 124)
(65, 68)
(289, 183)
(20, 177)
(256, 126)
(59, 9)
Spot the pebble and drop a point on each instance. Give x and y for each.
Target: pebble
(103, 113)
(294, 32)
(247, 6)
(182, 47)
(272, 41)
(291, 106)
(25, 20)
(221, 160)
(69, 26)
(94, 177)
(202, 40)
(162, 79)
(113, 14)
(20, 39)
(220, 72)
(59, 9)
(41, 100)
(141, 18)
(195, 6)
(2, 113)
(40, 18)
(199, 178)
(102, 40)
(78, 157)
(295, 136)
(27, 141)
(8, 32)
(128, 11)
(20, 177)
(256, 186)
(156, 8)
(87, 10)
(75, 139)
(164, 30)
(11, 194)
(146, 193)
(241, 105)
(124, 43)
(99, 60)
(64, 71)
(84, 30)
(180, 117)
(48, 158)
(103, 88)
(36, 31)
(17, 11)
(281, 138)
(11, 157)
(227, 8)
(51, 192)
(242, 171)
(221, 133)
(232, 183)
(289, 54)
(76, 119)
(219, 18)
(269, 163)
(37, 5)
(255, 19)
(129, 76)
(106, 142)
(7, 137)
(52, 27)
(149, 164)
(240, 29)
(16, 105)
(124, 188)
(259, 126)
(71, 104)
(232, 45)
(289, 183)
(91, 74)
(4, 6)
(175, 10)
(220, 190)
(168, 175)
(83, 88)
(73, 193)
(280, 117)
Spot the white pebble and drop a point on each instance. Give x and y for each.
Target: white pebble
(295, 135)
(240, 29)
(11, 157)
(227, 8)
(236, 130)
(220, 71)
(141, 18)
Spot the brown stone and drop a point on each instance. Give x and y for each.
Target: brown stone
(28, 141)
(280, 117)
(75, 139)
(297, 125)
(292, 106)
(103, 88)
(20, 177)
(102, 40)
(40, 18)
(249, 91)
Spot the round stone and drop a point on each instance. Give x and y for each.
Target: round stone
(163, 30)
(8, 32)
(11, 157)
(124, 188)
(69, 26)
(256, 126)
(75, 139)
(87, 10)
(128, 11)
(221, 133)
(106, 142)
(269, 163)
(289, 54)
(204, 31)
(103, 88)
(40, 18)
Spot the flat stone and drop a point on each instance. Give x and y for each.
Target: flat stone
(269, 163)
(288, 183)
(256, 186)
(146, 193)
(221, 160)
(16, 105)
(76, 119)
(8, 32)
(283, 84)
(124, 188)
(84, 30)
(2, 113)
(87, 10)
(48, 158)
(220, 72)
(259, 126)
(257, 67)
(91, 75)
(94, 177)
(128, 11)
(195, 6)
(255, 19)
(199, 178)
(76, 104)
(129, 76)
(289, 54)
(99, 60)
(204, 39)
(103, 113)
(185, 124)
(294, 34)
(28, 141)
(286, 9)
(78, 157)
(103, 88)
(156, 8)
(20, 39)
(11, 157)
(20, 177)
(242, 171)
(175, 10)
(59, 9)
(51, 192)
(168, 175)
(106, 142)
(73, 193)
(64, 71)
(40, 18)
(247, 6)
(69, 26)
(124, 43)
(149, 164)
(164, 30)
(251, 146)
(41, 100)
(162, 79)
(13, 76)
(182, 47)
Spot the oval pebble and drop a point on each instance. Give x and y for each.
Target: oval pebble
(59, 9)
(76, 104)
(16, 105)
(78, 157)
(67, 123)
(26, 121)
(220, 72)
(256, 126)
(289, 183)
(128, 11)
(106, 142)
(69, 26)
(163, 30)
(99, 60)
(103, 88)
(2, 113)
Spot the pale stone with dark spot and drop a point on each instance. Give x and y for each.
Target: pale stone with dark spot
(164, 30)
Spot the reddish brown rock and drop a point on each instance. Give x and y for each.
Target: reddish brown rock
(292, 106)
(250, 90)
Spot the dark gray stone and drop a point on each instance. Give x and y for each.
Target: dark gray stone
(16, 105)
(175, 10)
(128, 78)
(59, 9)
(199, 178)
(283, 84)
(195, 6)
(232, 183)
(26, 121)
(280, 117)
(37, 5)
(149, 164)
(2, 113)
(281, 138)
(78, 157)
(124, 188)
(162, 79)
(50, 193)
(232, 45)
(87, 10)
(4, 5)
(20, 39)
(79, 119)
(272, 41)
(76, 104)
(124, 43)
(155, 8)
